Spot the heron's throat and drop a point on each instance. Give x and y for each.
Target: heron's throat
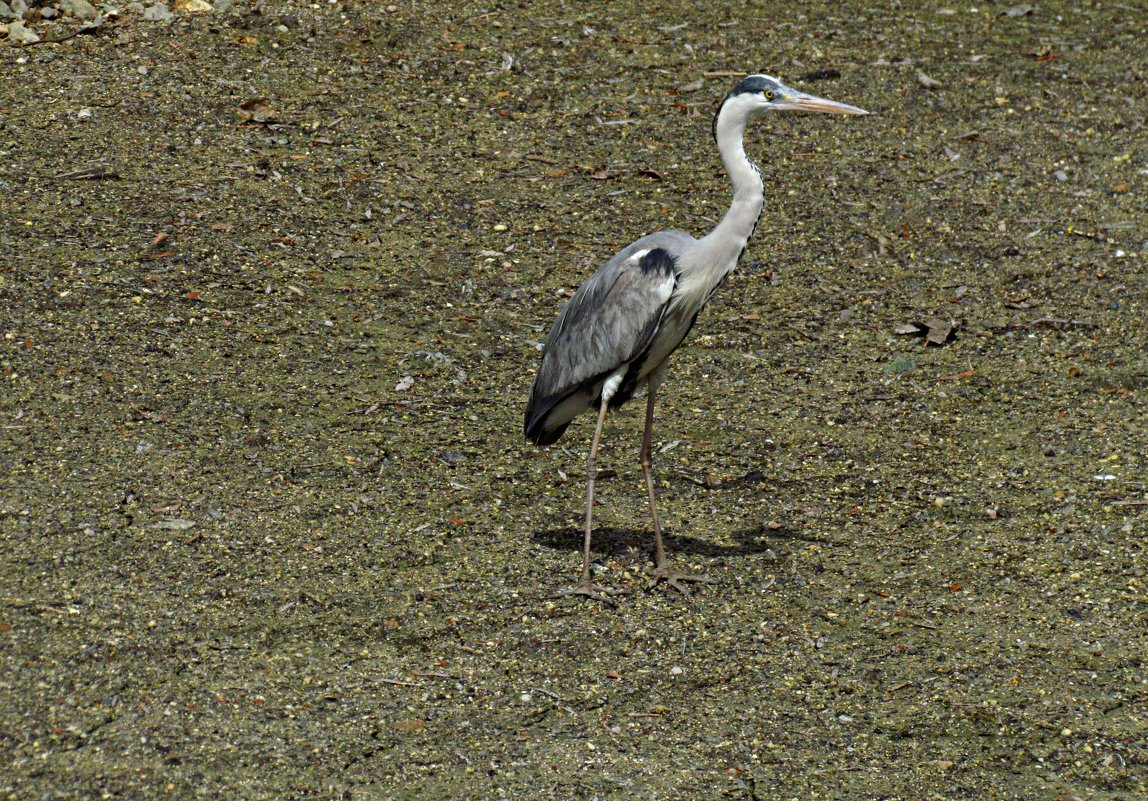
(739, 222)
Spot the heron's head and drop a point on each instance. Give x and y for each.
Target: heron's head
(758, 94)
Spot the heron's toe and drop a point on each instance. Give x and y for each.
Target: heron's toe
(676, 579)
(592, 591)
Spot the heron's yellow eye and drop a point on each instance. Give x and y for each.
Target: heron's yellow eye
(769, 94)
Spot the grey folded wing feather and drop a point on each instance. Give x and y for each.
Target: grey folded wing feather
(610, 321)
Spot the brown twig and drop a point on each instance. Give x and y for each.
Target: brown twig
(401, 683)
(72, 35)
(1053, 321)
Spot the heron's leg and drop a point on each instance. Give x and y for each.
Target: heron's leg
(647, 444)
(585, 586)
(591, 477)
(661, 570)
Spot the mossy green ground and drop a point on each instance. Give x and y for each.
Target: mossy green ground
(270, 529)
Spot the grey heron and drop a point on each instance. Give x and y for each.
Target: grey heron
(616, 333)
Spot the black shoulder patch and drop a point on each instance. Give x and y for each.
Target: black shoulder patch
(657, 261)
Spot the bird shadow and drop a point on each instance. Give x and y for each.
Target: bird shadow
(612, 541)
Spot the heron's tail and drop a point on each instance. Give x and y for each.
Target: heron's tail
(535, 423)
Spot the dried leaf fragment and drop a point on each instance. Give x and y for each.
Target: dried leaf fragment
(821, 75)
(936, 330)
(257, 109)
(957, 376)
(409, 726)
(940, 330)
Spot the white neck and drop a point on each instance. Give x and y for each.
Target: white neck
(727, 241)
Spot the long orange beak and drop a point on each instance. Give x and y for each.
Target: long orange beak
(799, 101)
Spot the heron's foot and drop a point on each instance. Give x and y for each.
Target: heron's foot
(594, 592)
(675, 579)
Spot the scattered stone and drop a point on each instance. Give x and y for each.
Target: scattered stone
(19, 9)
(223, 6)
(81, 9)
(927, 81)
(193, 7)
(20, 35)
(177, 524)
(1021, 10)
(158, 13)
(6, 11)
(47, 12)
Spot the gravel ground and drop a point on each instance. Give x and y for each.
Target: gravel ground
(272, 280)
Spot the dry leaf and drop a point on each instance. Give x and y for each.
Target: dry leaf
(936, 330)
(409, 726)
(957, 376)
(940, 330)
(257, 109)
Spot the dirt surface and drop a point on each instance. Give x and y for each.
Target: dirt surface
(270, 528)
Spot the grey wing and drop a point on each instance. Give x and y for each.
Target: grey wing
(610, 321)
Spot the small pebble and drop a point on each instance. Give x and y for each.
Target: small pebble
(158, 13)
(80, 9)
(20, 35)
